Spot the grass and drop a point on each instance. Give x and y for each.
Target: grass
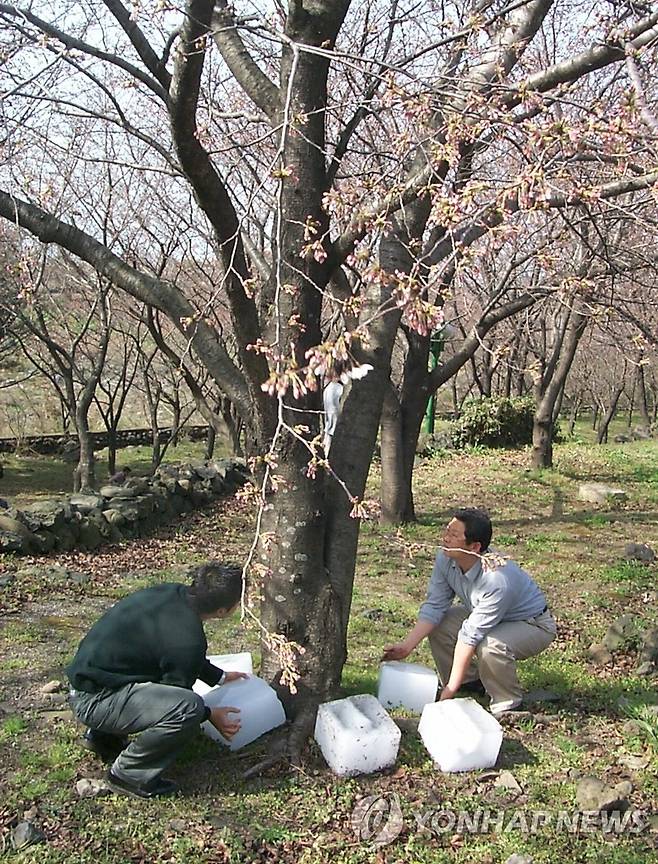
(28, 478)
(576, 552)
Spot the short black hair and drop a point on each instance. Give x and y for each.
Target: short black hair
(477, 526)
(215, 586)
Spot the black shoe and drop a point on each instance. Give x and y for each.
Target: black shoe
(158, 788)
(476, 687)
(104, 744)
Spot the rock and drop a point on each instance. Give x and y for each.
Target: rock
(631, 728)
(117, 491)
(648, 658)
(600, 493)
(540, 695)
(634, 763)
(594, 795)
(114, 517)
(54, 701)
(620, 631)
(91, 788)
(623, 788)
(646, 669)
(44, 541)
(178, 826)
(10, 525)
(26, 834)
(138, 485)
(639, 552)
(518, 858)
(90, 535)
(46, 514)
(506, 780)
(373, 614)
(599, 654)
(87, 503)
(10, 542)
(51, 687)
(6, 579)
(65, 539)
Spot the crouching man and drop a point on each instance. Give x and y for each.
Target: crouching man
(502, 617)
(133, 674)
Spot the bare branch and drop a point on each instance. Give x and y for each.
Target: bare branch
(71, 42)
(255, 83)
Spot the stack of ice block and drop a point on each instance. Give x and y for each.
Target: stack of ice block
(356, 735)
(460, 735)
(406, 685)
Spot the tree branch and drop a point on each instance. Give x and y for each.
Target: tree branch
(255, 83)
(140, 43)
(212, 195)
(77, 44)
(158, 293)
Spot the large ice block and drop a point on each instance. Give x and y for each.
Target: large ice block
(356, 735)
(260, 709)
(406, 685)
(460, 735)
(228, 663)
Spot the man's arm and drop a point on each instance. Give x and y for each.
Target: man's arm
(400, 650)
(460, 662)
(439, 598)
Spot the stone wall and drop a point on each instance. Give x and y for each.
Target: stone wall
(134, 509)
(48, 445)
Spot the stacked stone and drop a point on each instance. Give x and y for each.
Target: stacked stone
(87, 519)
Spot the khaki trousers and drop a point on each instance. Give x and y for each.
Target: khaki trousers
(496, 656)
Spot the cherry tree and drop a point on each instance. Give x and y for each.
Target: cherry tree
(322, 164)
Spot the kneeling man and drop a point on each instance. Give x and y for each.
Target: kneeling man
(502, 617)
(134, 671)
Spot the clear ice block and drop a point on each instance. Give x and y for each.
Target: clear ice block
(356, 735)
(460, 735)
(406, 685)
(260, 709)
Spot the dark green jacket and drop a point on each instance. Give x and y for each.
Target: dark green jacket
(151, 635)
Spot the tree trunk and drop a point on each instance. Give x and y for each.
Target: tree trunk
(111, 450)
(644, 402)
(84, 474)
(542, 430)
(210, 442)
(602, 436)
(573, 416)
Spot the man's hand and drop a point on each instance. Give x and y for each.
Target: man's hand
(223, 723)
(234, 676)
(397, 651)
(448, 692)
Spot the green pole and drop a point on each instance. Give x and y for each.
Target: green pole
(436, 347)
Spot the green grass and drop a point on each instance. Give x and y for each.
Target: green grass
(574, 550)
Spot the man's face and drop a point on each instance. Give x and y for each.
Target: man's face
(454, 539)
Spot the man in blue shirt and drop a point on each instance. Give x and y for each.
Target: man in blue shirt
(503, 616)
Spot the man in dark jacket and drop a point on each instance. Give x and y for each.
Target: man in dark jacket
(133, 673)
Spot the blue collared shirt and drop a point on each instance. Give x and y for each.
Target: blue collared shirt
(503, 593)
